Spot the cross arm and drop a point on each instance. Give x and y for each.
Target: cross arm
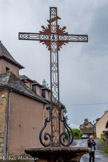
(33, 36)
(73, 38)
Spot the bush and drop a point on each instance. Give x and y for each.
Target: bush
(77, 132)
(106, 134)
(81, 134)
(101, 134)
(106, 148)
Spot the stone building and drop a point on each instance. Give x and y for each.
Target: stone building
(88, 128)
(23, 103)
(102, 124)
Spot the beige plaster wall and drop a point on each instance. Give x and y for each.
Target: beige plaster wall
(13, 68)
(26, 120)
(100, 126)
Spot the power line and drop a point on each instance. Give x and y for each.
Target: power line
(88, 104)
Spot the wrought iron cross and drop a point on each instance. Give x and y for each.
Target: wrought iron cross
(54, 38)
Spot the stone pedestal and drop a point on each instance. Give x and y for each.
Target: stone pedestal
(58, 154)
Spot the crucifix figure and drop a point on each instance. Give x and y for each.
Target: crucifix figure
(54, 38)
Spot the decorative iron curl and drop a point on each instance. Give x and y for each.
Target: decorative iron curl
(68, 136)
(45, 135)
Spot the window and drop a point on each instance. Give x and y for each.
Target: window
(43, 93)
(7, 69)
(34, 87)
(106, 125)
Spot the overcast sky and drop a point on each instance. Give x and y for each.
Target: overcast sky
(83, 66)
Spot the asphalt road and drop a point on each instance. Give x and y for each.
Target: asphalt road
(99, 157)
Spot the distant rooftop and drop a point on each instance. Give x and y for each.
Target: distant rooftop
(4, 53)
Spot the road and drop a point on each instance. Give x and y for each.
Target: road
(99, 157)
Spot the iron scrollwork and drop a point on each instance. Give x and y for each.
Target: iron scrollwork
(66, 137)
(45, 136)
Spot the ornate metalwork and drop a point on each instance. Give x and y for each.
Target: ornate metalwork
(54, 38)
(46, 136)
(67, 136)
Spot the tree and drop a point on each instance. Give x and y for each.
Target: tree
(76, 132)
(45, 84)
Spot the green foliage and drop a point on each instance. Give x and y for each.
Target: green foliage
(106, 134)
(77, 132)
(101, 141)
(106, 148)
(101, 134)
(45, 84)
(81, 134)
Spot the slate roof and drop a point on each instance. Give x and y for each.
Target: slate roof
(12, 82)
(86, 124)
(46, 88)
(23, 77)
(4, 53)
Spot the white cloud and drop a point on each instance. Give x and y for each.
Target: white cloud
(74, 126)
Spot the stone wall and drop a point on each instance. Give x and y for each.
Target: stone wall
(3, 64)
(3, 120)
(101, 124)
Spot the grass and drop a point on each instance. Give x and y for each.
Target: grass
(101, 141)
(106, 154)
(106, 148)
